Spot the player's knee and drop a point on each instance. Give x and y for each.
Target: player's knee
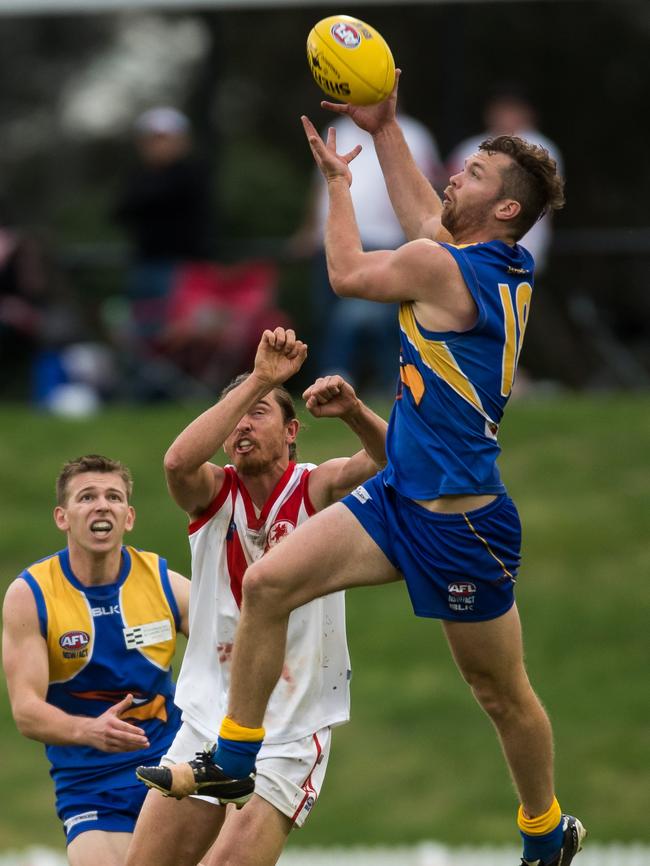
(263, 588)
(497, 706)
(499, 698)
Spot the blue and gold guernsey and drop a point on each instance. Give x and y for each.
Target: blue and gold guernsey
(442, 435)
(104, 642)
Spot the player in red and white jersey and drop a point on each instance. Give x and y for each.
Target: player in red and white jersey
(312, 692)
(237, 513)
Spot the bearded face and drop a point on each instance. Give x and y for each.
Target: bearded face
(260, 439)
(464, 214)
(470, 199)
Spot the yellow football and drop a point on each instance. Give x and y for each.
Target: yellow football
(350, 60)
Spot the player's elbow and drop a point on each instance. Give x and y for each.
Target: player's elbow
(344, 284)
(173, 462)
(25, 720)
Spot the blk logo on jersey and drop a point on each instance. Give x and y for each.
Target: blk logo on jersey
(462, 595)
(74, 644)
(105, 610)
(279, 530)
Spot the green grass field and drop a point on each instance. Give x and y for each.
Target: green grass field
(419, 760)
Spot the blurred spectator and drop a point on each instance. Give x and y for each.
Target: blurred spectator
(39, 317)
(508, 111)
(20, 314)
(357, 338)
(165, 208)
(194, 322)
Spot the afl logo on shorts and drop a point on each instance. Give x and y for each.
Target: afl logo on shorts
(461, 595)
(74, 644)
(346, 35)
(279, 530)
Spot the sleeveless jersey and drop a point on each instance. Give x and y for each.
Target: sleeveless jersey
(442, 434)
(313, 690)
(104, 642)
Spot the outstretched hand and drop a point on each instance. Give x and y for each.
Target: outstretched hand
(371, 118)
(330, 397)
(331, 163)
(110, 733)
(279, 356)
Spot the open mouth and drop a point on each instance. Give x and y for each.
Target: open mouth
(101, 528)
(243, 446)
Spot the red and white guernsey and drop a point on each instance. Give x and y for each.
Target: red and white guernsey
(313, 690)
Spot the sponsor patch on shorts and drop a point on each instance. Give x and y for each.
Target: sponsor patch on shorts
(361, 494)
(462, 595)
(306, 808)
(71, 822)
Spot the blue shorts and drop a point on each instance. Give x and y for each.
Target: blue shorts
(111, 809)
(458, 567)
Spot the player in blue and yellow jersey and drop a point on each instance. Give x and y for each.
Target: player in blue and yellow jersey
(438, 516)
(89, 636)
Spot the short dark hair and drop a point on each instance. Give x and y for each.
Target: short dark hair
(282, 397)
(532, 179)
(90, 463)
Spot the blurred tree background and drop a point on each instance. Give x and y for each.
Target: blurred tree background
(72, 85)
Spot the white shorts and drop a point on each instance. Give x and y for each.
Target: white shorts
(289, 775)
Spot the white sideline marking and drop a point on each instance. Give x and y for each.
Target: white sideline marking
(424, 854)
(432, 854)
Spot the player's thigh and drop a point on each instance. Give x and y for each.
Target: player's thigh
(99, 846)
(252, 836)
(489, 652)
(172, 832)
(329, 552)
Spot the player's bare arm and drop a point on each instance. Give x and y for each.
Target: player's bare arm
(333, 397)
(415, 202)
(26, 669)
(192, 479)
(181, 588)
(420, 271)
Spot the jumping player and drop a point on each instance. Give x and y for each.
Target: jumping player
(438, 516)
(89, 635)
(238, 514)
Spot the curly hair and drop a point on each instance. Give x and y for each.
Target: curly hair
(90, 463)
(532, 179)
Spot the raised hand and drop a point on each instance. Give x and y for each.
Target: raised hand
(331, 163)
(279, 356)
(330, 397)
(369, 117)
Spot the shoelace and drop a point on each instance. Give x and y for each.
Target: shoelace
(203, 758)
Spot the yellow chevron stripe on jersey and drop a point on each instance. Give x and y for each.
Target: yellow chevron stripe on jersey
(156, 708)
(412, 378)
(143, 601)
(436, 355)
(70, 628)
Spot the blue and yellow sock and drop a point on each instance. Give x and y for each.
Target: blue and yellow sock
(542, 835)
(237, 748)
